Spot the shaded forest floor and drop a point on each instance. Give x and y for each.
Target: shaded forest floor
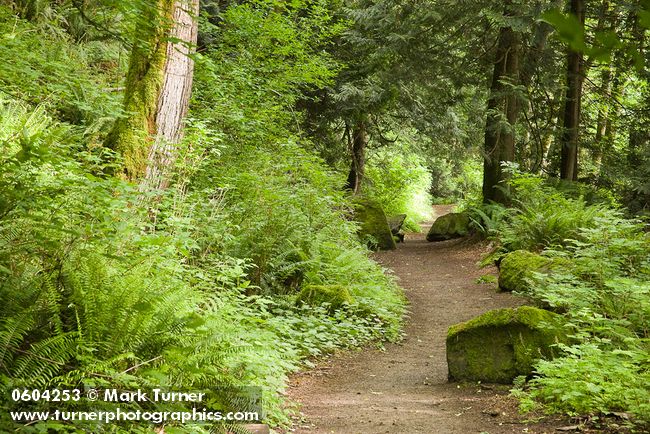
(404, 389)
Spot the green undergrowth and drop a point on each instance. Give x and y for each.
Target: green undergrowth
(95, 294)
(541, 216)
(195, 288)
(41, 63)
(599, 282)
(606, 297)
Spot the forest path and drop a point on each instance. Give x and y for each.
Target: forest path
(404, 389)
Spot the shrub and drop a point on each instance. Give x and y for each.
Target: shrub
(603, 292)
(486, 218)
(592, 380)
(39, 66)
(540, 216)
(282, 208)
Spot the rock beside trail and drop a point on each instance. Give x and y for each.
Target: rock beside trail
(517, 267)
(502, 344)
(374, 225)
(335, 296)
(449, 226)
(395, 224)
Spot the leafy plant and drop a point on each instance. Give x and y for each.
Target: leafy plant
(544, 217)
(601, 288)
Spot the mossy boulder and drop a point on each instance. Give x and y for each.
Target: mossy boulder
(502, 344)
(374, 225)
(517, 267)
(449, 226)
(335, 296)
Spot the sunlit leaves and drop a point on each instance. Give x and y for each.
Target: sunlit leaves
(568, 27)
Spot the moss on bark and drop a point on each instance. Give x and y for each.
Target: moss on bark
(133, 133)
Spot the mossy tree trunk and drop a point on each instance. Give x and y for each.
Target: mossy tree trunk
(174, 98)
(158, 86)
(503, 109)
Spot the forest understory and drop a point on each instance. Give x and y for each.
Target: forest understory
(207, 199)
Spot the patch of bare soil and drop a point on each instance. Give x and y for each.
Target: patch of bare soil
(404, 388)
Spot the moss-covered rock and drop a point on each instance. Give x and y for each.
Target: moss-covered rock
(517, 267)
(502, 344)
(316, 295)
(374, 225)
(448, 226)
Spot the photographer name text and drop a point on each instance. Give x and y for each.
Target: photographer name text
(156, 395)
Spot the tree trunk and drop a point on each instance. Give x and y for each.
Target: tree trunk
(174, 98)
(157, 92)
(602, 121)
(503, 109)
(571, 131)
(358, 151)
(551, 141)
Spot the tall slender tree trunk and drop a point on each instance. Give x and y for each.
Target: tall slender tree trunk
(602, 121)
(606, 126)
(158, 86)
(571, 127)
(503, 109)
(358, 151)
(551, 142)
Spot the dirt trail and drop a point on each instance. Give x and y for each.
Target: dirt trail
(404, 389)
